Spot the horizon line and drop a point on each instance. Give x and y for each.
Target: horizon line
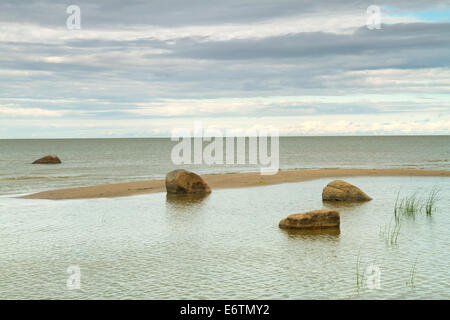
(281, 136)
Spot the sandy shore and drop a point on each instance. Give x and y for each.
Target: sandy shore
(228, 180)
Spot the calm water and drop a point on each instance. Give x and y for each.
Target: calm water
(225, 246)
(98, 161)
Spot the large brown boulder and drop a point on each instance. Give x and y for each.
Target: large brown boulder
(50, 159)
(339, 190)
(317, 219)
(185, 182)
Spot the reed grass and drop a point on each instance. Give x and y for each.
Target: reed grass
(412, 275)
(430, 202)
(391, 233)
(411, 206)
(397, 209)
(359, 274)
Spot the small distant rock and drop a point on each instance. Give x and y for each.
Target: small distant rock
(339, 190)
(317, 219)
(50, 159)
(185, 182)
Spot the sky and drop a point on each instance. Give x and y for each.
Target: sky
(145, 68)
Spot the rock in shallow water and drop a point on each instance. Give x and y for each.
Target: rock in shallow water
(339, 190)
(49, 159)
(317, 219)
(185, 182)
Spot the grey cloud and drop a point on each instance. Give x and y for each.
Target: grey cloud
(199, 68)
(391, 38)
(113, 13)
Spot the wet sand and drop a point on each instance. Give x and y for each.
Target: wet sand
(227, 180)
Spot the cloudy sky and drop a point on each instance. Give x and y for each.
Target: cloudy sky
(143, 68)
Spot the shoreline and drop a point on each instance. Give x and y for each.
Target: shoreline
(225, 181)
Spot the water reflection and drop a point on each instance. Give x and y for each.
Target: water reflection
(343, 205)
(182, 200)
(312, 233)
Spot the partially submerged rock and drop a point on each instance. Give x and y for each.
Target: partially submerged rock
(49, 159)
(339, 190)
(185, 182)
(317, 219)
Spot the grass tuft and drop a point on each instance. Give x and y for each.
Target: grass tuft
(430, 202)
(412, 275)
(359, 274)
(410, 206)
(397, 209)
(391, 233)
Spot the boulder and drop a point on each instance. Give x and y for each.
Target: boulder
(317, 219)
(185, 182)
(339, 190)
(50, 159)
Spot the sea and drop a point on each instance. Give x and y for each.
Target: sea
(227, 245)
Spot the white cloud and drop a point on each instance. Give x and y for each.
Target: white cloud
(14, 110)
(338, 23)
(393, 124)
